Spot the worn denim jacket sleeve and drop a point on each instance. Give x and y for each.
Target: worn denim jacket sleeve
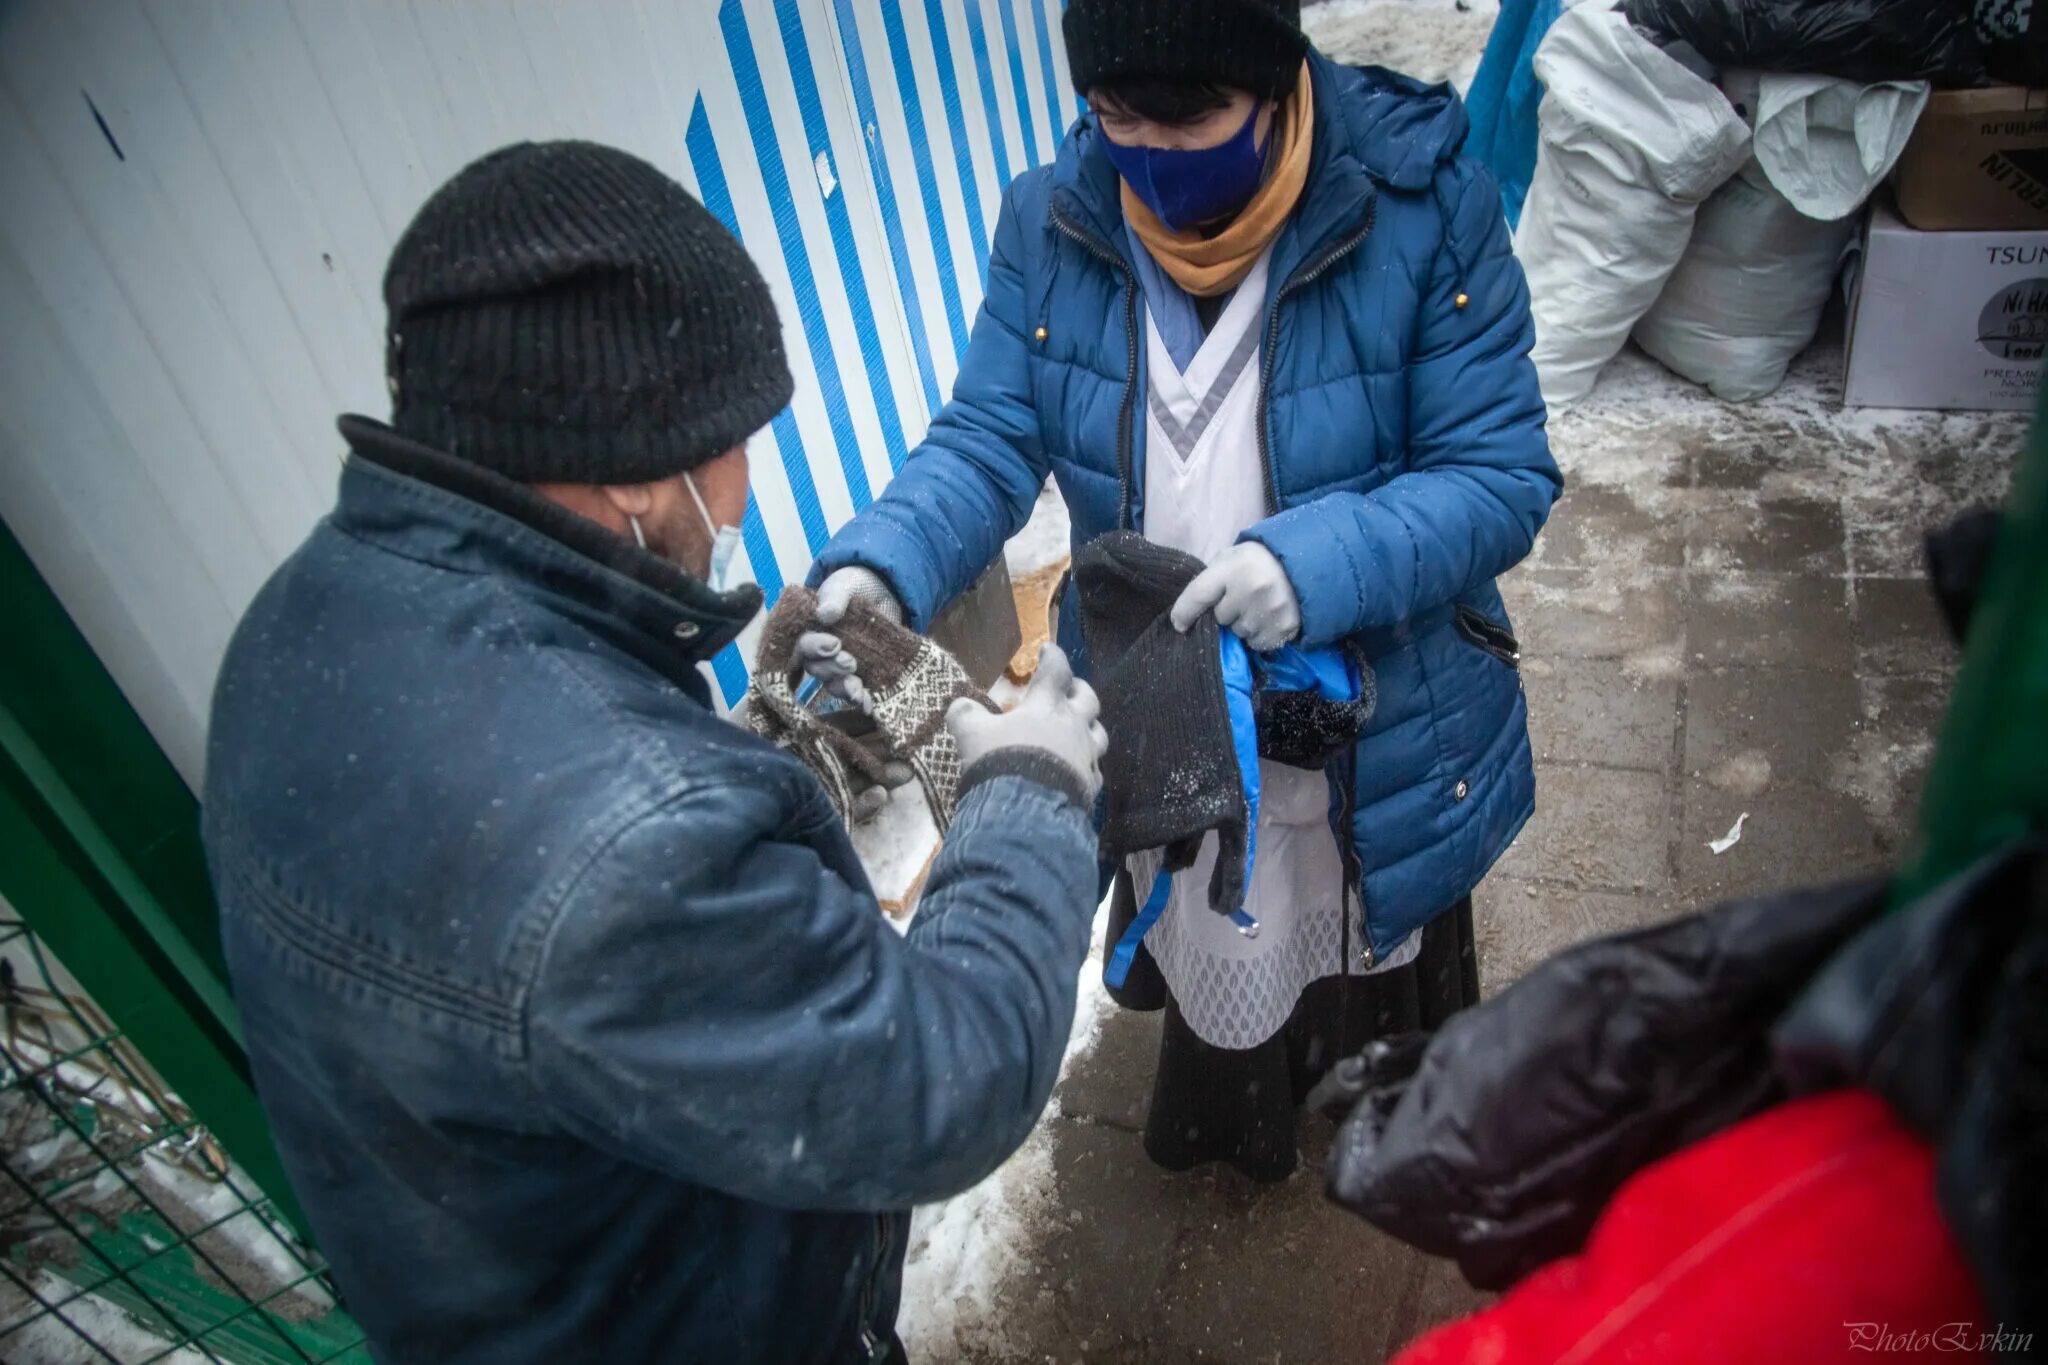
(718, 1004)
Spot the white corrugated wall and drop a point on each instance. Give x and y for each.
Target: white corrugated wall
(197, 198)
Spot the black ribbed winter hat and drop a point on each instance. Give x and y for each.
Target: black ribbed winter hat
(1254, 45)
(1172, 774)
(562, 312)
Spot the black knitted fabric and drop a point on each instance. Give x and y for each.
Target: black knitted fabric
(1254, 45)
(1171, 773)
(1307, 729)
(562, 312)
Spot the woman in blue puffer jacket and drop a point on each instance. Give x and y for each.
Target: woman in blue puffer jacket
(1261, 310)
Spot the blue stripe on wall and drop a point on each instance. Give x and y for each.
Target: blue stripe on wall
(746, 69)
(731, 672)
(991, 112)
(885, 191)
(1023, 96)
(956, 124)
(927, 177)
(796, 465)
(798, 52)
(1053, 89)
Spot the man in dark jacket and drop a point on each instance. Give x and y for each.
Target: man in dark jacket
(575, 1018)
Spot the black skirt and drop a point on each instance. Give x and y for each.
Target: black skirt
(1239, 1105)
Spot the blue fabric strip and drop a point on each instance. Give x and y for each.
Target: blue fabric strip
(1017, 86)
(1330, 672)
(1172, 308)
(746, 70)
(985, 76)
(1050, 70)
(1117, 969)
(956, 124)
(927, 178)
(818, 140)
(1244, 738)
(796, 466)
(892, 216)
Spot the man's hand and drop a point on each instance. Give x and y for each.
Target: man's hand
(1059, 717)
(819, 654)
(842, 587)
(1250, 593)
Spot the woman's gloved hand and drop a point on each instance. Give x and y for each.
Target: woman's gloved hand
(1251, 595)
(1058, 717)
(843, 587)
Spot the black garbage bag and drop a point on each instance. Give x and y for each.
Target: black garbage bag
(1526, 1113)
(1942, 1010)
(1858, 40)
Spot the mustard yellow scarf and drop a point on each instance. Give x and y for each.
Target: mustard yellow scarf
(1208, 266)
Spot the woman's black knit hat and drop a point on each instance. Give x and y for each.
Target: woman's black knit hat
(562, 312)
(1254, 45)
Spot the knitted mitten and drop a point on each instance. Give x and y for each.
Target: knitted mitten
(840, 761)
(909, 680)
(1171, 773)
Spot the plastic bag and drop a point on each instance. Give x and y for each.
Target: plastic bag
(1748, 296)
(1526, 1113)
(1504, 96)
(1858, 40)
(1631, 143)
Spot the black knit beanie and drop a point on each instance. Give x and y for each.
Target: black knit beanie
(1254, 45)
(562, 312)
(1171, 774)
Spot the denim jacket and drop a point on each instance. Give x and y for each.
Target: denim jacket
(573, 1014)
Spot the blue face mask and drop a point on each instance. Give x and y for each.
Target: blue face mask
(1190, 188)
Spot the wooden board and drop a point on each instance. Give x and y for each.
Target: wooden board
(1034, 593)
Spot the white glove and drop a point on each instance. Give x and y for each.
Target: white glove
(1058, 716)
(819, 654)
(842, 587)
(1250, 593)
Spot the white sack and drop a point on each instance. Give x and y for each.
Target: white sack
(1825, 143)
(1631, 142)
(1748, 296)
(1749, 293)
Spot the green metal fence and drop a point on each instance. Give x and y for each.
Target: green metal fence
(128, 1234)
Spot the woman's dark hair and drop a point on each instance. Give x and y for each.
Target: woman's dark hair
(1157, 101)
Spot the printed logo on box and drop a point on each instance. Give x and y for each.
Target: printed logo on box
(2014, 325)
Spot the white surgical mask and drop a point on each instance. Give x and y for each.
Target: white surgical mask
(725, 540)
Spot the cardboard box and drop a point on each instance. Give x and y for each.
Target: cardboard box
(1947, 319)
(1977, 160)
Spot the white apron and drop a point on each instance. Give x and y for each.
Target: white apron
(1203, 486)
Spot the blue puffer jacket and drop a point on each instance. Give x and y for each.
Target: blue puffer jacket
(1403, 440)
(573, 1014)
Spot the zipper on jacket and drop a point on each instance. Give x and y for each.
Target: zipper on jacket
(1100, 249)
(1346, 770)
(1488, 636)
(1301, 279)
(1347, 846)
(871, 1343)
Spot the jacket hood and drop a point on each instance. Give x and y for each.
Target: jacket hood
(1388, 128)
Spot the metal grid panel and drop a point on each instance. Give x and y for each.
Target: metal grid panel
(126, 1233)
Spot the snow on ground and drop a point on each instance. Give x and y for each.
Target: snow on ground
(1432, 40)
(962, 1251)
